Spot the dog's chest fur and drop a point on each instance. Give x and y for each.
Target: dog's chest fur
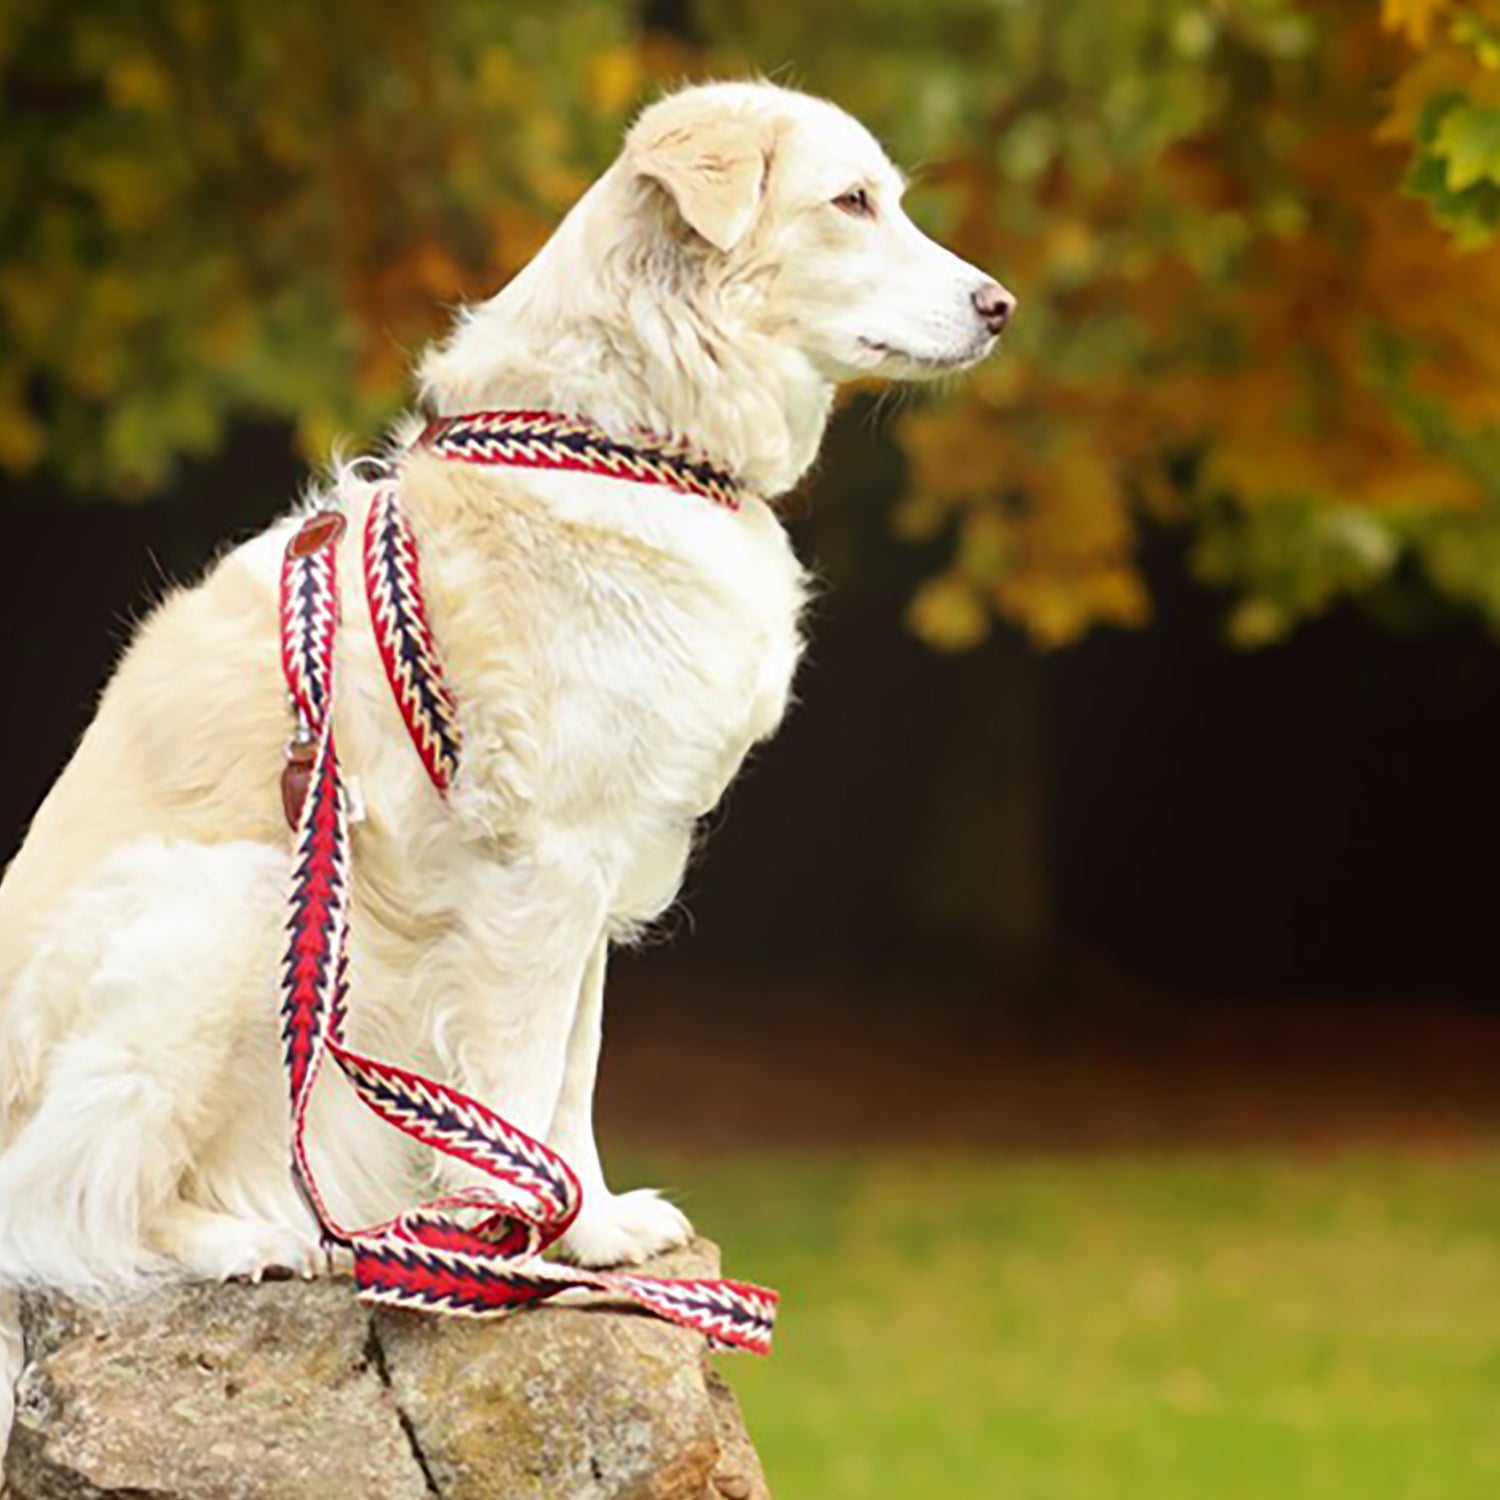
(615, 650)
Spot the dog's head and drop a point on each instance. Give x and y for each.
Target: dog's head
(746, 253)
(792, 204)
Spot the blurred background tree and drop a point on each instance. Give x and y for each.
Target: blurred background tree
(1252, 242)
(1148, 894)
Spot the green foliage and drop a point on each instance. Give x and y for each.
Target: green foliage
(212, 208)
(1448, 107)
(1467, 136)
(1254, 245)
(1456, 166)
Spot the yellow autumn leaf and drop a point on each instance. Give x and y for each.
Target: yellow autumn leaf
(1412, 18)
(957, 451)
(948, 613)
(1117, 594)
(499, 76)
(1257, 622)
(21, 436)
(1047, 603)
(612, 80)
(136, 82)
(917, 519)
(130, 192)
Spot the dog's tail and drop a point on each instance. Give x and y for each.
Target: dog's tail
(12, 1357)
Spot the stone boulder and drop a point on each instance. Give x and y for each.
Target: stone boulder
(293, 1390)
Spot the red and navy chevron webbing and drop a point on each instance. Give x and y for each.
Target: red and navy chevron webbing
(394, 592)
(476, 1252)
(547, 440)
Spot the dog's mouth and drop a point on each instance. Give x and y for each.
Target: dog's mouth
(929, 364)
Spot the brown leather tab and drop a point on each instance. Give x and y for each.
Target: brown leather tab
(296, 777)
(318, 531)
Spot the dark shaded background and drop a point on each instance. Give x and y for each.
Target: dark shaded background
(1312, 819)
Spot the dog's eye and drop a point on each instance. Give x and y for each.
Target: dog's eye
(856, 203)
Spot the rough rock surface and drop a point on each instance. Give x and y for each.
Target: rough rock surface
(292, 1390)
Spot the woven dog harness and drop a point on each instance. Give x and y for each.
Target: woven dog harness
(476, 1251)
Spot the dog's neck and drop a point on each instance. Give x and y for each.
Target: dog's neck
(612, 323)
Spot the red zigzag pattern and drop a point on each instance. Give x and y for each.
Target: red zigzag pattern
(475, 1253)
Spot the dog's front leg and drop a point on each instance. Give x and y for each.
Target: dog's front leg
(612, 1229)
(505, 990)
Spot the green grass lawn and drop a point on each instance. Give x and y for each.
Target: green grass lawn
(1117, 1329)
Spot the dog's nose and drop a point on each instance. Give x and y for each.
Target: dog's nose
(995, 305)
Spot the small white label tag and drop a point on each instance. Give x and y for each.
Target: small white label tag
(354, 799)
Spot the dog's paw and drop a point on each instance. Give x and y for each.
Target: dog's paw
(623, 1229)
(220, 1247)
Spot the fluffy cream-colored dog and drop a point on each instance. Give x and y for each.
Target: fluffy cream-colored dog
(615, 650)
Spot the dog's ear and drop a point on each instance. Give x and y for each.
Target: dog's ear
(714, 164)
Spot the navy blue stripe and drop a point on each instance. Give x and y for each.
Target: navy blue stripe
(585, 445)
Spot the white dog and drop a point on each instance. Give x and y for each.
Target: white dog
(615, 650)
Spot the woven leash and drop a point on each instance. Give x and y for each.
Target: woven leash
(475, 1252)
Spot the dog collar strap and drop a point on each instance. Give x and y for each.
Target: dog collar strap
(547, 440)
(477, 1252)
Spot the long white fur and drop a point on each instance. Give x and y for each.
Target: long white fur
(616, 650)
